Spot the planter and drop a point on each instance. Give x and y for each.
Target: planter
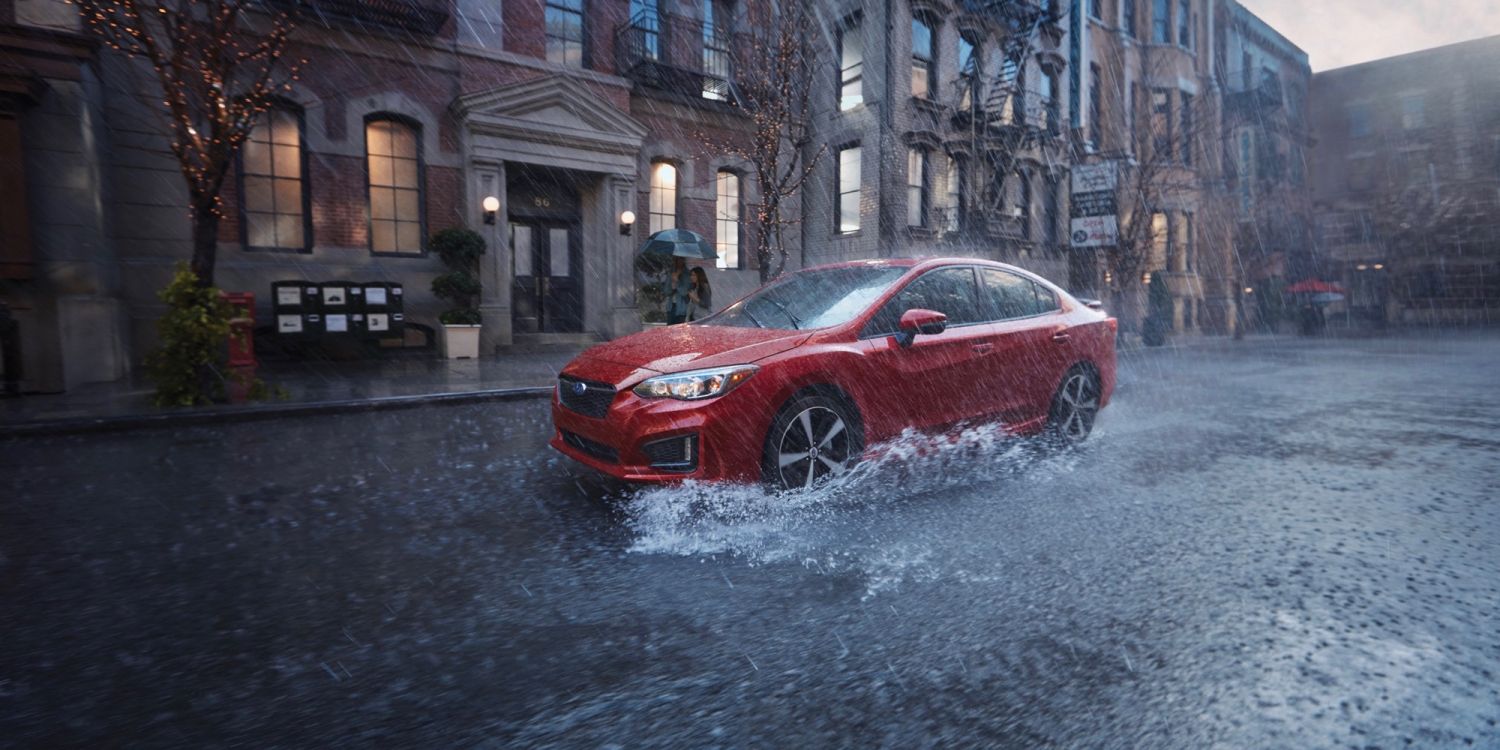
(460, 342)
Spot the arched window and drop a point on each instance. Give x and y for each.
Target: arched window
(727, 220)
(273, 187)
(663, 198)
(393, 160)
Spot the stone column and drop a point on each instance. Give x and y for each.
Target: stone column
(619, 195)
(488, 179)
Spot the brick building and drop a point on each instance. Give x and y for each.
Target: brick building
(407, 116)
(1406, 180)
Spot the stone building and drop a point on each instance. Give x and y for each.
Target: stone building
(1151, 106)
(1406, 181)
(1267, 142)
(408, 116)
(944, 132)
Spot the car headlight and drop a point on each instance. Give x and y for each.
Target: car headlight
(695, 384)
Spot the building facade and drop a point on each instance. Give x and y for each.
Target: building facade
(407, 116)
(1267, 142)
(1406, 181)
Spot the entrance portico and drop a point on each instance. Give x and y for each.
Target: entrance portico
(563, 164)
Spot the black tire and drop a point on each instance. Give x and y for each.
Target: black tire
(1075, 406)
(834, 444)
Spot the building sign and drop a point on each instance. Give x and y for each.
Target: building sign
(1093, 206)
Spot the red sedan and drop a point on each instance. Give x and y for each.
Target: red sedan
(790, 384)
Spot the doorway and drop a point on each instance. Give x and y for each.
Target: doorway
(547, 288)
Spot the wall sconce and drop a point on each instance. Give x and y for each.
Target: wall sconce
(491, 207)
(627, 220)
(1249, 290)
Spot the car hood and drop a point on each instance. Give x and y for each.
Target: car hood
(681, 347)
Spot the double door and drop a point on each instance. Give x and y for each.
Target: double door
(547, 273)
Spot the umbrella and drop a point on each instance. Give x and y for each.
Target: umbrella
(679, 243)
(1314, 286)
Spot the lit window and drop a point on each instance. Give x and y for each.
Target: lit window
(848, 190)
(922, 67)
(851, 66)
(916, 187)
(1160, 237)
(271, 188)
(663, 199)
(394, 162)
(727, 220)
(565, 32)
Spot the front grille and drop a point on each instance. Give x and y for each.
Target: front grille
(593, 402)
(592, 447)
(678, 454)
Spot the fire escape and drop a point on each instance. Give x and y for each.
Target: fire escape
(1003, 121)
(675, 54)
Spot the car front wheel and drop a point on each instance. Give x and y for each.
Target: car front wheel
(812, 439)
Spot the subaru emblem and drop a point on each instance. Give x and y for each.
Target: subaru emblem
(578, 388)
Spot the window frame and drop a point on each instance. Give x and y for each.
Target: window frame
(969, 71)
(842, 78)
(867, 329)
(1096, 105)
(1128, 18)
(1037, 289)
(1185, 122)
(839, 192)
(416, 127)
(651, 213)
(739, 218)
(927, 23)
(1164, 134)
(923, 186)
(583, 32)
(1161, 22)
(1184, 25)
(306, 187)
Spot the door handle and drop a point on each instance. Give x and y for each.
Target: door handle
(983, 348)
(1061, 336)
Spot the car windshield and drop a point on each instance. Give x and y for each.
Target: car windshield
(810, 299)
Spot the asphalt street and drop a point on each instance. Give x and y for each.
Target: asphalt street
(1273, 543)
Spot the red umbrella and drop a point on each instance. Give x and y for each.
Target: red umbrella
(1315, 286)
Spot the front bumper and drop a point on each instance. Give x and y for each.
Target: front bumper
(730, 433)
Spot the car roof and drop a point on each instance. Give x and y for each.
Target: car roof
(923, 263)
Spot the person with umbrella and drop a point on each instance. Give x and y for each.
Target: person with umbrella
(681, 245)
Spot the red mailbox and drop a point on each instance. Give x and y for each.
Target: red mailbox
(241, 344)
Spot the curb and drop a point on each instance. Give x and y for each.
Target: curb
(218, 416)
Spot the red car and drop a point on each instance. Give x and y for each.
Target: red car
(790, 384)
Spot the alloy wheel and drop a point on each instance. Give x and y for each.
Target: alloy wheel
(1077, 405)
(813, 447)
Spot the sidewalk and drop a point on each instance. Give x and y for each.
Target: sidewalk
(313, 387)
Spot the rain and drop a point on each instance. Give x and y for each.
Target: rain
(749, 373)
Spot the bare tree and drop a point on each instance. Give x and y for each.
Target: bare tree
(217, 76)
(773, 85)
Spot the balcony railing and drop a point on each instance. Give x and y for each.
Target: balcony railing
(1262, 96)
(681, 55)
(417, 16)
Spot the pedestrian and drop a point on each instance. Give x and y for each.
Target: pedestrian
(701, 297)
(679, 290)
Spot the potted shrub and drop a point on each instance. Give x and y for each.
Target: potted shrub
(460, 250)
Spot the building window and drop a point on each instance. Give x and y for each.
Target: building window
(1135, 130)
(1413, 112)
(969, 65)
(851, 66)
(1128, 18)
(1024, 205)
(565, 32)
(273, 194)
(1184, 25)
(848, 190)
(716, 57)
(1161, 238)
(727, 220)
(1096, 95)
(393, 159)
(1247, 176)
(1096, 9)
(916, 187)
(1161, 22)
(645, 22)
(922, 66)
(1009, 78)
(1050, 213)
(1051, 104)
(1186, 115)
(1161, 123)
(663, 198)
(953, 186)
(1184, 247)
(1359, 120)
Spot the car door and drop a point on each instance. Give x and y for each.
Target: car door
(931, 382)
(1020, 371)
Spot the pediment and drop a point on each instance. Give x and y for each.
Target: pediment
(549, 107)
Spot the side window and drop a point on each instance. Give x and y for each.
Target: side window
(1010, 296)
(950, 291)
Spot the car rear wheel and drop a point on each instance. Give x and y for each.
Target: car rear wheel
(813, 439)
(1074, 408)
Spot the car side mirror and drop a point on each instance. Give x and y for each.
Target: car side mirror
(926, 322)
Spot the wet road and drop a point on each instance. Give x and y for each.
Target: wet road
(1268, 544)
